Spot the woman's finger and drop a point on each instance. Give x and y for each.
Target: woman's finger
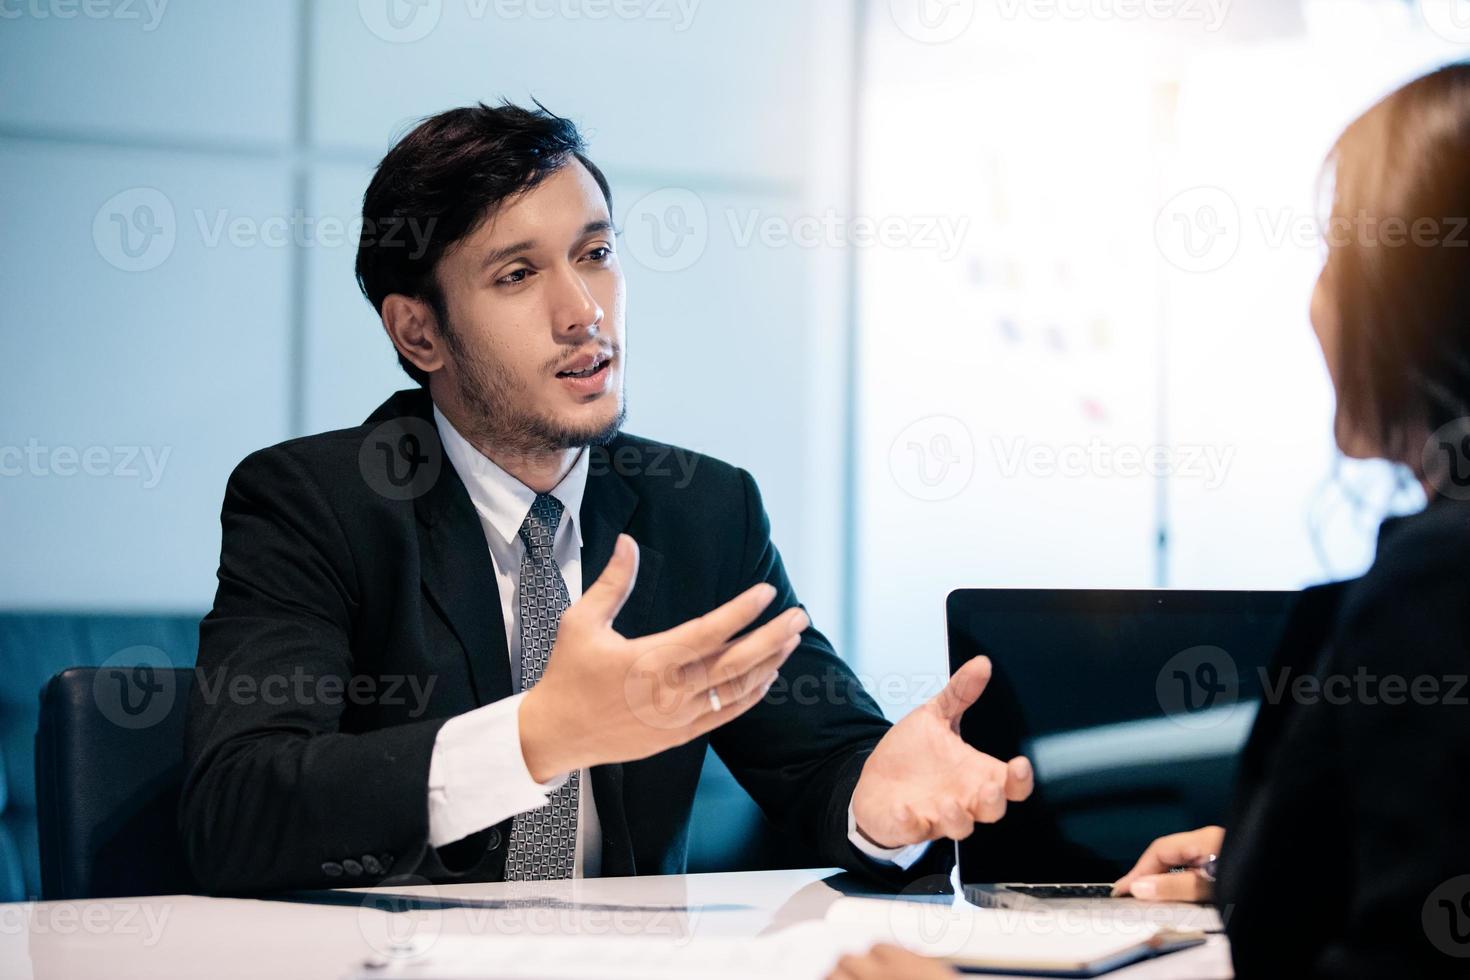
(1182, 886)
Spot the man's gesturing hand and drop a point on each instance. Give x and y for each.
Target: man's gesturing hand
(606, 698)
(922, 781)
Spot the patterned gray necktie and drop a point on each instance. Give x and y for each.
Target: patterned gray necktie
(543, 842)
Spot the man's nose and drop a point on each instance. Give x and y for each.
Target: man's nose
(577, 310)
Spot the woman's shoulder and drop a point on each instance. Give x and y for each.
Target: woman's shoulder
(1419, 583)
(1435, 541)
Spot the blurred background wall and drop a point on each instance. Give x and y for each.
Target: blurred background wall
(983, 292)
(181, 291)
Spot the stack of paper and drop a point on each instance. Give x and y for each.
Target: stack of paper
(995, 940)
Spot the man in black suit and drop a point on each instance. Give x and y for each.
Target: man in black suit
(403, 673)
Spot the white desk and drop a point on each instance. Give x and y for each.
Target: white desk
(190, 937)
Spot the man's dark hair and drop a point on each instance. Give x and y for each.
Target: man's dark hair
(441, 181)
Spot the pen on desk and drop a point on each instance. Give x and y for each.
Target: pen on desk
(1206, 867)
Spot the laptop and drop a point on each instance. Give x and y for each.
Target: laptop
(1133, 706)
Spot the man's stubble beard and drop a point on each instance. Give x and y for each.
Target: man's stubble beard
(498, 415)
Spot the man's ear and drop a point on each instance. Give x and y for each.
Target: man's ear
(414, 330)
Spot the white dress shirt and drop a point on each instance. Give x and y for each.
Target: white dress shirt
(477, 774)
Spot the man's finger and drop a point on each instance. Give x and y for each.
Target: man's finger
(954, 821)
(989, 803)
(686, 680)
(604, 598)
(705, 634)
(709, 720)
(742, 655)
(963, 689)
(1182, 886)
(913, 828)
(683, 690)
(1020, 779)
(755, 677)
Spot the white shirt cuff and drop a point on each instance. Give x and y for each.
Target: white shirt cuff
(904, 857)
(477, 774)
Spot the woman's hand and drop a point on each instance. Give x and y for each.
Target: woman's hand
(886, 962)
(1151, 879)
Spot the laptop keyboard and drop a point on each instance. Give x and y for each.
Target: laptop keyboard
(1063, 891)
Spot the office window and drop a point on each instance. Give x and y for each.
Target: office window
(1084, 357)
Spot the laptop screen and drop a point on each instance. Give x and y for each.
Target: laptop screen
(1133, 706)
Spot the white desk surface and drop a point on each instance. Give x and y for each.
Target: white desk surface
(186, 936)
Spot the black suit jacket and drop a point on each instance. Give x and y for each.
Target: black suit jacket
(348, 576)
(1353, 808)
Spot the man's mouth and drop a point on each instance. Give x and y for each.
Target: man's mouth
(587, 366)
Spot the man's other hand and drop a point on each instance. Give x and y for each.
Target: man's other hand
(923, 782)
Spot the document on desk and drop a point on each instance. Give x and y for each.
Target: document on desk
(1077, 942)
(988, 940)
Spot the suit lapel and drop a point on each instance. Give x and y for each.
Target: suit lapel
(607, 507)
(454, 562)
(459, 578)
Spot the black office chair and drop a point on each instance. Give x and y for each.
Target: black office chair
(109, 765)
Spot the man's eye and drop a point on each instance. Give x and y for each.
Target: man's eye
(517, 276)
(600, 254)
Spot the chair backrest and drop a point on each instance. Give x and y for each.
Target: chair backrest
(109, 765)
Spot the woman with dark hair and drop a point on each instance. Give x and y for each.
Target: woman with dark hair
(1348, 852)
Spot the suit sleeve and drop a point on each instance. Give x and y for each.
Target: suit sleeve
(275, 794)
(799, 752)
(1396, 686)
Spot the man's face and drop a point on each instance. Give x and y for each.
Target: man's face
(534, 299)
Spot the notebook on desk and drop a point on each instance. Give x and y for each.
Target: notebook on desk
(1012, 942)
